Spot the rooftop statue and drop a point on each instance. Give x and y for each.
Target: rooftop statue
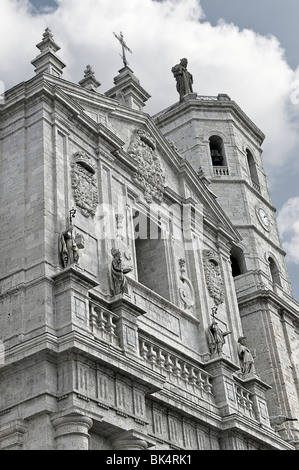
(184, 79)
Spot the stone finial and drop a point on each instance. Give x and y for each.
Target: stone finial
(127, 90)
(47, 61)
(89, 81)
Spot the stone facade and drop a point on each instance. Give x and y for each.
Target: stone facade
(87, 365)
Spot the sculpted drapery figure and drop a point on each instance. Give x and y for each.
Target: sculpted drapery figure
(245, 356)
(118, 273)
(68, 248)
(216, 338)
(184, 79)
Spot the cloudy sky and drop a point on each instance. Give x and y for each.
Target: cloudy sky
(246, 49)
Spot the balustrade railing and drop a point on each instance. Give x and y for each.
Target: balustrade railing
(176, 369)
(244, 401)
(103, 324)
(220, 171)
(255, 185)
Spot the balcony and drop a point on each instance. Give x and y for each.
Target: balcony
(244, 401)
(103, 324)
(178, 372)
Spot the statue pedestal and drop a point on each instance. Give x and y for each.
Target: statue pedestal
(257, 389)
(127, 329)
(71, 299)
(222, 371)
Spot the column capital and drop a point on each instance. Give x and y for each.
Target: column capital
(72, 431)
(131, 440)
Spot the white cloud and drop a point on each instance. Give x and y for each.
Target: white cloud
(288, 222)
(249, 67)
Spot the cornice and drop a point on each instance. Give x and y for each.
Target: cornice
(176, 110)
(269, 296)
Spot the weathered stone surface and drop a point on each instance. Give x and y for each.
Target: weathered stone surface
(85, 367)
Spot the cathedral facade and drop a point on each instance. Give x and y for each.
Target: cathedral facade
(144, 298)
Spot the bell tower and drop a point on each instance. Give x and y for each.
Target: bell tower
(217, 138)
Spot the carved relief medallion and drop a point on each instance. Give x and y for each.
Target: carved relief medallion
(84, 184)
(149, 175)
(213, 276)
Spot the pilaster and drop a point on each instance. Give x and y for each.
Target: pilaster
(222, 371)
(71, 298)
(257, 388)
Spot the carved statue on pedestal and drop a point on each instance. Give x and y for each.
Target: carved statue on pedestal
(216, 337)
(69, 245)
(68, 248)
(118, 273)
(245, 356)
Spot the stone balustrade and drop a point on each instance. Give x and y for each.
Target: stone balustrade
(220, 171)
(255, 185)
(244, 401)
(177, 371)
(103, 324)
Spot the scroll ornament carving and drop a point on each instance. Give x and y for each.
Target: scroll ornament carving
(149, 175)
(213, 276)
(84, 184)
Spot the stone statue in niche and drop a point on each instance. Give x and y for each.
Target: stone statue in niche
(69, 245)
(184, 79)
(246, 358)
(216, 337)
(118, 273)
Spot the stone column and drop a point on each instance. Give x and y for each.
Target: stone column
(72, 432)
(129, 440)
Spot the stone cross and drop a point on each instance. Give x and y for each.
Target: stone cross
(124, 48)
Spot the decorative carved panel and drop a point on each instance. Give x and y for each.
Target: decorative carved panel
(149, 175)
(186, 290)
(84, 184)
(213, 276)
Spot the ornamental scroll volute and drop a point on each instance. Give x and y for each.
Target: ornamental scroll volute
(213, 276)
(84, 183)
(149, 175)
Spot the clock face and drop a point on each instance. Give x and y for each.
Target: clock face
(263, 217)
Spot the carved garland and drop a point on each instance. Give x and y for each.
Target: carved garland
(213, 276)
(149, 175)
(84, 184)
